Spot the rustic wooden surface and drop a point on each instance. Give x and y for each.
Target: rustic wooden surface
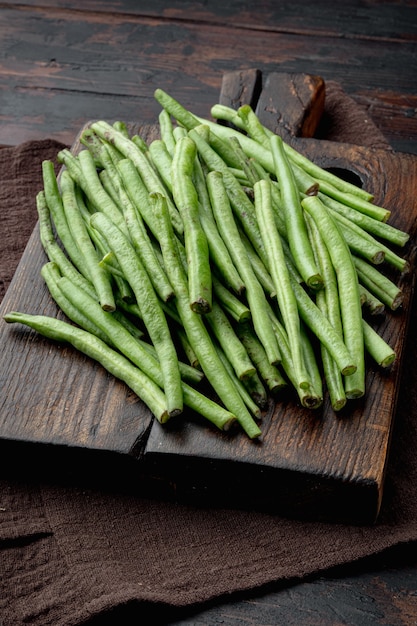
(62, 64)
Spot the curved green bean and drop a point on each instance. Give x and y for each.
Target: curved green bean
(347, 281)
(95, 348)
(195, 240)
(150, 308)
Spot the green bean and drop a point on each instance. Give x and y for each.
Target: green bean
(72, 164)
(254, 292)
(353, 200)
(54, 203)
(321, 327)
(140, 143)
(311, 365)
(152, 314)
(123, 334)
(327, 300)
(93, 347)
(230, 303)
(151, 179)
(307, 397)
(350, 306)
(242, 206)
(188, 373)
(379, 229)
(96, 193)
(104, 153)
(359, 241)
(230, 343)
(249, 173)
(133, 329)
(322, 175)
(225, 150)
(371, 302)
(195, 240)
(377, 347)
(179, 132)
(294, 220)
(167, 131)
(218, 251)
(379, 284)
(242, 179)
(94, 144)
(51, 275)
(109, 186)
(253, 126)
(250, 403)
(258, 266)
(270, 374)
(162, 161)
(53, 250)
(334, 380)
(381, 251)
(178, 112)
(140, 238)
(197, 333)
(121, 127)
(227, 114)
(110, 263)
(285, 296)
(138, 193)
(188, 350)
(98, 276)
(257, 390)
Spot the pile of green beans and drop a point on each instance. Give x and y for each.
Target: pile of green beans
(219, 255)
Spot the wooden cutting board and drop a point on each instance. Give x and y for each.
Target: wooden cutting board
(61, 412)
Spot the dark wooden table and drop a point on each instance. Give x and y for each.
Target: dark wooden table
(64, 62)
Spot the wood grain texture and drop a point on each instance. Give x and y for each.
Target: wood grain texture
(62, 65)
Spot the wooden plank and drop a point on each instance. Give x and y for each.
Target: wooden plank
(310, 463)
(370, 20)
(60, 68)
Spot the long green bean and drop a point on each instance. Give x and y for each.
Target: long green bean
(270, 374)
(93, 347)
(285, 296)
(149, 176)
(294, 219)
(379, 284)
(347, 280)
(377, 347)
(230, 343)
(99, 276)
(54, 251)
(152, 314)
(54, 203)
(254, 292)
(218, 251)
(197, 333)
(195, 239)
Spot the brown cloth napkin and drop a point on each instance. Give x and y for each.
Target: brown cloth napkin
(75, 555)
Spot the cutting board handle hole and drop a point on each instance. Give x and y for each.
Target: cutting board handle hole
(347, 175)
